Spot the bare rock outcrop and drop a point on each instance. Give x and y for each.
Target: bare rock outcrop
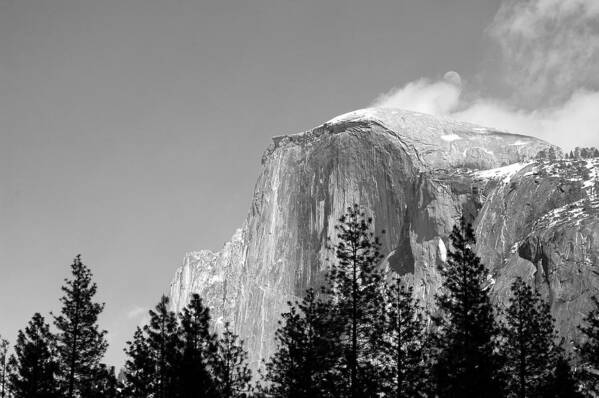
(415, 174)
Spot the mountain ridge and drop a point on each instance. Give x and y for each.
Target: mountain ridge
(420, 129)
(415, 189)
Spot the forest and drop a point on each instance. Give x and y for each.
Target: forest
(363, 333)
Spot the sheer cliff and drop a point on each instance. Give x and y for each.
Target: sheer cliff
(415, 174)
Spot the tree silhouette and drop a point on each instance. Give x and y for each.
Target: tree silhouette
(304, 365)
(356, 283)
(34, 365)
(464, 342)
(164, 343)
(231, 372)
(4, 367)
(402, 337)
(103, 385)
(199, 350)
(139, 372)
(589, 349)
(562, 383)
(528, 347)
(80, 343)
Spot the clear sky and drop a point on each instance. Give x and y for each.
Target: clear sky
(131, 131)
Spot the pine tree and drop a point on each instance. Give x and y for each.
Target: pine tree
(402, 342)
(139, 377)
(562, 383)
(199, 347)
(357, 284)
(80, 343)
(104, 384)
(34, 365)
(164, 343)
(4, 367)
(529, 351)
(589, 350)
(230, 369)
(464, 341)
(307, 352)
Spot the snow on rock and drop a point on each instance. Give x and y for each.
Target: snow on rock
(450, 137)
(592, 165)
(360, 114)
(572, 213)
(442, 251)
(393, 162)
(427, 136)
(501, 173)
(582, 171)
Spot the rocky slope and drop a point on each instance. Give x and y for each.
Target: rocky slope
(415, 174)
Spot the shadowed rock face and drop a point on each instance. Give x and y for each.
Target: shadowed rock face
(415, 174)
(551, 217)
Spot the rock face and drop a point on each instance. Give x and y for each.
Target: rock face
(415, 174)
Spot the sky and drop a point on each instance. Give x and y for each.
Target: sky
(131, 131)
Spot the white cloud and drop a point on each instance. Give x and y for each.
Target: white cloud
(136, 312)
(550, 48)
(436, 98)
(551, 53)
(573, 123)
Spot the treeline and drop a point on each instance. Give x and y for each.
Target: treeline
(179, 356)
(575, 154)
(172, 356)
(583, 153)
(366, 335)
(65, 361)
(362, 334)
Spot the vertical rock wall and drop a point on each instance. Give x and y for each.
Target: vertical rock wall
(413, 173)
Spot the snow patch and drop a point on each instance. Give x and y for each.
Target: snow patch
(450, 137)
(571, 171)
(360, 114)
(442, 251)
(504, 173)
(490, 282)
(573, 213)
(592, 166)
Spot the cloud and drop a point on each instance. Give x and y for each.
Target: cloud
(136, 312)
(572, 123)
(550, 52)
(437, 98)
(550, 48)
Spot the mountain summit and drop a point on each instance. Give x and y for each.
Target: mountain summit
(535, 214)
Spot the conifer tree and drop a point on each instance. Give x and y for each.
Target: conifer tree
(4, 367)
(104, 384)
(356, 283)
(528, 348)
(34, 365)
(230, 368)
(464, 341)
(589, 350)
(80, 343)
(402, 340)
(304, 365)
(562, 383)
(139, 377)
(199, 350)
(164, 343)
